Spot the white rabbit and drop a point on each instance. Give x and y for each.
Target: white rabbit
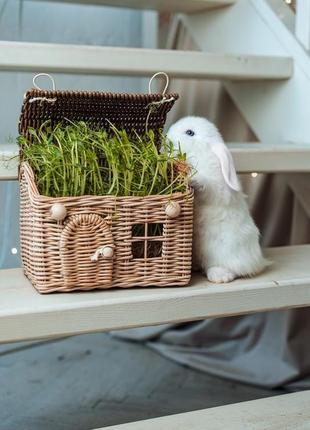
(226, 240)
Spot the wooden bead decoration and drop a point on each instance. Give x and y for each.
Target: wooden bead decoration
(58, 212)
(173, 209)
(107, 251)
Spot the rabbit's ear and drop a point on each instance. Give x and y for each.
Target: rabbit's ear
(227, 165)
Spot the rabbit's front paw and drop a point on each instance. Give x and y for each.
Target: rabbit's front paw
(220, 275)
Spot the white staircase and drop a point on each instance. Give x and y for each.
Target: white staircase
(277, 112)
(267, 73)
(25, 314)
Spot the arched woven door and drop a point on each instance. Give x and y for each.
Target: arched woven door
(81, 243)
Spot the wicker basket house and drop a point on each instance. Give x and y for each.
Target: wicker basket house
(66, 256)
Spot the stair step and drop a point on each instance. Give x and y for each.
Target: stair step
(185, 6)
(25, 314)
(258, 157)
(248, 157)
(288, 411)
(60, 58)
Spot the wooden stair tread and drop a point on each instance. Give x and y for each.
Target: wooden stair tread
(84, 59)
(248, 157)
(264, 158)
(8, 162)
(161, 5)
(25, 314)
(288, 411)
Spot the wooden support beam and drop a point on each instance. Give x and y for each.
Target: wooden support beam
(264, 158)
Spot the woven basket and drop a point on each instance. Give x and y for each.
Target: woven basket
(71, 255)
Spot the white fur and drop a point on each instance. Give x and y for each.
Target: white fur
(226, 240)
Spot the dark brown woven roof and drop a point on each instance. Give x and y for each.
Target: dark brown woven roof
(125, 111)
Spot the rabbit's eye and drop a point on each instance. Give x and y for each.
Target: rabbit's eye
(190, 133)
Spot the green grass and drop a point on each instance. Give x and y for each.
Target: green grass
(74, 160)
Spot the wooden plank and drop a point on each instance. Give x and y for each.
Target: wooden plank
(54, 58)
(25, 314)
(185, 6)
(248, 157)
(288, 411)
(263, 158)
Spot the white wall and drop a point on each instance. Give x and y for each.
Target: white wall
(39, 21)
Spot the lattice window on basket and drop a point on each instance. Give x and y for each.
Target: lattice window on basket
(147, 240)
